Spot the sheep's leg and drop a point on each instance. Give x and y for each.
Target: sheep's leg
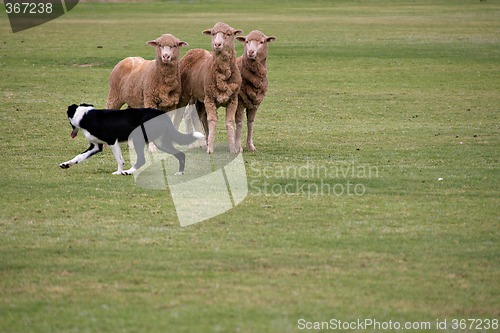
(251, 112)
(150, 103)
(114, 103)
(202, 117)
(230, 115)
(239, 125)
(198, 117)
(178, 119)
(211, 110)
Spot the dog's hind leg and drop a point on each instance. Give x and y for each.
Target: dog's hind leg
(179, 155)
(92, 150)
(118, 156)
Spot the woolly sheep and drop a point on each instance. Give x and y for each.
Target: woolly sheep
(252, 65)
(148, 83)
(212, 79)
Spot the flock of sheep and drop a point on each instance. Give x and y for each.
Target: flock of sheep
(207, 79)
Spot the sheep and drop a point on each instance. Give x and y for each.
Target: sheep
(252, 65)
(212, 79)
(143, 83)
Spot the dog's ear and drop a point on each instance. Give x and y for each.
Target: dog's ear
(71, 110)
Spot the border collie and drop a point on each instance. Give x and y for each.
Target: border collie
(114, 126)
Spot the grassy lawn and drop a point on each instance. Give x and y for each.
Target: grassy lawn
(374, 192)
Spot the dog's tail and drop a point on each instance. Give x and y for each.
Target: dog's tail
(186, 139)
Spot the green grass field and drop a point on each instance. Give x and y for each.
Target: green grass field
(369, 104)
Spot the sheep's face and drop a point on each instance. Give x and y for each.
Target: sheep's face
(167, 48)
(255, 44)
(222, 37)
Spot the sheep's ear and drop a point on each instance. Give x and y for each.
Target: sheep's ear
(270, 39)
(207, 32)
(241, 38)
(181, 43)
(152, 43)
(237, 32)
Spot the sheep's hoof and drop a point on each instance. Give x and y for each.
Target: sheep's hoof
(251, 148)
(179, 173)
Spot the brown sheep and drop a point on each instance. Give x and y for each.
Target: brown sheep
(143, 83)
(212, 79)
(252, 65)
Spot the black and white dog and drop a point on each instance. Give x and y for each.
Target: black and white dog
(114, 126)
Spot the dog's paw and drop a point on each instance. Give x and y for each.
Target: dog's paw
(128, 172)
(118, 172)
(179, 173)
(64, 165)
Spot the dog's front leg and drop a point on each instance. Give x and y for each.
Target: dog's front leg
(92, 150)
(119, 157)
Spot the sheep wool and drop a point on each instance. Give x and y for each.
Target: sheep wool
(252, 65)
(148, 83)
(212, 79)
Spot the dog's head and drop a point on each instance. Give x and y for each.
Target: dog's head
(71, 114)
